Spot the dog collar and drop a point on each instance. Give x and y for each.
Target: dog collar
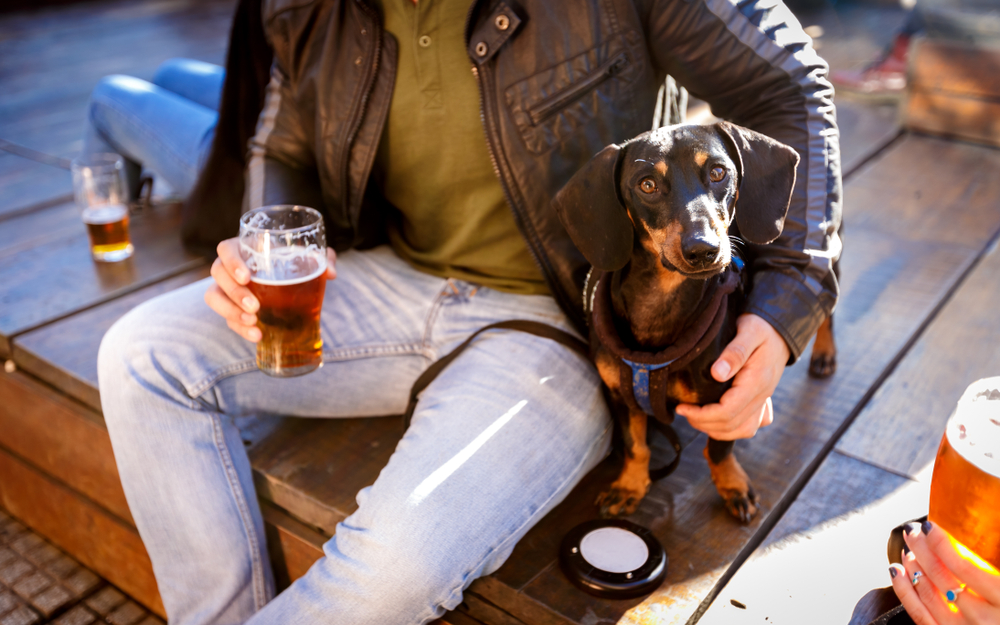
(643, 374)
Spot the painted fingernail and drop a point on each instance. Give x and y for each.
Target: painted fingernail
(906, 551)
(926, 527)
(249, 304)
(892, 572)
(912, 528)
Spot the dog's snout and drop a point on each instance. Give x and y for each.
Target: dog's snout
(700, 251)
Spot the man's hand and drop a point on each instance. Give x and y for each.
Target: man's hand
(231, 298)
(757, 357)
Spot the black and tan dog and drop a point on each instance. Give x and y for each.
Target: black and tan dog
(654, 217)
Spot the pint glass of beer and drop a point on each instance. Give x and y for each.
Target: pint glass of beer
(101, 193)
(965, 486)
(285, 249)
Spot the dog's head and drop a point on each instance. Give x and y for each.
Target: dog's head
(674, 191)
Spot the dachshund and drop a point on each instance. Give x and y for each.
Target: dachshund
(657, 219)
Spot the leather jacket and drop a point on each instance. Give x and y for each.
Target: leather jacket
(560, 80)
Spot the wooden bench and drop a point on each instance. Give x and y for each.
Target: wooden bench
(920, 215)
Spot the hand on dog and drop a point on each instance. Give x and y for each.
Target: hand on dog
(756, 357)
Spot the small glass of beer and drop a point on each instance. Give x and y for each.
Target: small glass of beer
(965, 486)
(101, 193)
(285, 249)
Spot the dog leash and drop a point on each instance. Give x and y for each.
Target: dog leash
(537, 328)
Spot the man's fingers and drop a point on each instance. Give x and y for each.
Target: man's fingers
(229, 255)
(331, 263)
(250, 333)
(732, 359)
(240, 295)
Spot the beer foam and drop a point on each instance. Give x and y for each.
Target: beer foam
(974, 429)
(285, 265)
(104, 214)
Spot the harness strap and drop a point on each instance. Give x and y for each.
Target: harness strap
(537, 328)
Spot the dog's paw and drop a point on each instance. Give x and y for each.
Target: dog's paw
(742, 505)
(620, 500)
(823, 364)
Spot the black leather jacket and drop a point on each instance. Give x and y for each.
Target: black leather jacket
(559, 80)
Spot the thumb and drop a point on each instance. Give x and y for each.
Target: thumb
(331, 263)
(732, 358)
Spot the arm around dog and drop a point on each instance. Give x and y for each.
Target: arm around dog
(756, 67)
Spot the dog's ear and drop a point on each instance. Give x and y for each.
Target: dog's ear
(767, 176)
(592, 211)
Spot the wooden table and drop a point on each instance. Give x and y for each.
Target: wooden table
(846, 459)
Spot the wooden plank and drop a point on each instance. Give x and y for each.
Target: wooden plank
(865, 128)
(25, 183)
(827, 552)
(23, 233)
(98, 540)
(959, 347)
(955, 67)
(60, 278)
(64, 353)
(916, 217)
(66, 440)
(292, 546)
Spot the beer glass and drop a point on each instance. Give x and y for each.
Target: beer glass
(285, 249)
(965, 486)
(101, 193)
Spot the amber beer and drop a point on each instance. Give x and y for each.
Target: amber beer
(289, 317)
(108, 230)
(965, 486)
(284, 248)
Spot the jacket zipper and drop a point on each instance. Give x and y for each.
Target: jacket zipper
(531, 237)
(358, 113)
(547, 107)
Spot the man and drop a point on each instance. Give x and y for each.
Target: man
(446, 128)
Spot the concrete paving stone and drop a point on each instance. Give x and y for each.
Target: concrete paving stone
(51, 600)
(62, 567)
(21, 616)
(6, 555)
(26, 542)
(128, 614)
(105, 600)
(30, 585)
(42, 555)
(15, 570)
(152, 619)
(79, 615)
(81, 582)
(8, 601)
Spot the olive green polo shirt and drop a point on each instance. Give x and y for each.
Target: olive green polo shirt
(452, 219)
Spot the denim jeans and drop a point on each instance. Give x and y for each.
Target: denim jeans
(497, 440)
(166, 126)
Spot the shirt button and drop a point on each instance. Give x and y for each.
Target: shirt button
(502, 22)
(424, 41)
(481, 48)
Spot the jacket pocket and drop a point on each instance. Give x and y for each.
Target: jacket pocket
(553, 104)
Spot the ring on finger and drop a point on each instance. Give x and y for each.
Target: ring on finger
(953, 593)
(915, 579)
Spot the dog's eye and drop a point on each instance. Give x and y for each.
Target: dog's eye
(717, 174)
(648, 185)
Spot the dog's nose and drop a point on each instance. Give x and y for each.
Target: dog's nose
(699, 251)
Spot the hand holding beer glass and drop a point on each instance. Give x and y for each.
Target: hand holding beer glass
(951, 573)
(101, 193)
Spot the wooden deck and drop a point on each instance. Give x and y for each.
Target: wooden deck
(846, 459)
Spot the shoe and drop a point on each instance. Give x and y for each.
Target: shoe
(886, 77)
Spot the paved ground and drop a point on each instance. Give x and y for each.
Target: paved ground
(40, 584)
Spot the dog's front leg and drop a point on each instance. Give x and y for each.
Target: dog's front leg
(632, 484)
(731, 480)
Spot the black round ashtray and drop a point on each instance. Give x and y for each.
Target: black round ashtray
(613, 559)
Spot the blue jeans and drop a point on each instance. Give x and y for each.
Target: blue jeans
(166, 126)
(497, 440)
